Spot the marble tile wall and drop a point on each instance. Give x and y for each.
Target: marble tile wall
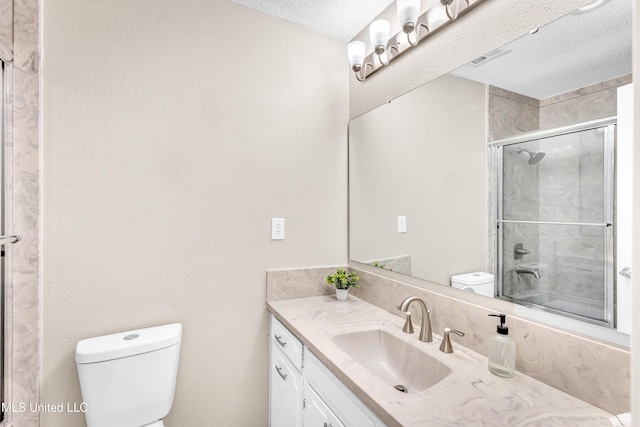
(583, 104)
(510, 114)
(19, 45)
(6, 30)
(290, 283)
(589, 370)
(400, 264)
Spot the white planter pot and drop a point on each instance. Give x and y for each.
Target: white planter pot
(341, 294)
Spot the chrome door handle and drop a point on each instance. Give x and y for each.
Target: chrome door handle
(283, 376)
(5, 240)
(328, 425)
(279, 339)
(625, 272)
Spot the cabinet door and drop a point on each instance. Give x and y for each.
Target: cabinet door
(316, 412)
(342, 401)
(285, 392)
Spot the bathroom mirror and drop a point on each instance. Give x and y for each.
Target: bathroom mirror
(422, 190)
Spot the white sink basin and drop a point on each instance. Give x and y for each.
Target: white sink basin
(395, 360)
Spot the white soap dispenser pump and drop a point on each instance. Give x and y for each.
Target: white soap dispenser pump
(502, 351)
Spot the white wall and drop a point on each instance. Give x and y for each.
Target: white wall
(172, 133)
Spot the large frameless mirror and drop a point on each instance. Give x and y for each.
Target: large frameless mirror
(442, 189)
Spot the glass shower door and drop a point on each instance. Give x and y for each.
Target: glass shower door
(555, 222)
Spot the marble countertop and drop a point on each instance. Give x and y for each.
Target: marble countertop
(469, 396)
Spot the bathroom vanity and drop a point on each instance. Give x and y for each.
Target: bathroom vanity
(348, 363)
(303, 391)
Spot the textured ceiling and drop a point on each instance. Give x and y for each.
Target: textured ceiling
(339, 18)
(578, 50)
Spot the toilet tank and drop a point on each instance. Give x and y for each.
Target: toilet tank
(128, 378)
(477, 282)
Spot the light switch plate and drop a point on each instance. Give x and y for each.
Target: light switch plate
(402, 224)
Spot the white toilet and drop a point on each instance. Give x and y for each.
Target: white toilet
(128, 379)
(476, 283)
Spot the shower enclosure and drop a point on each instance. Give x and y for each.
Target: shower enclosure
(555, 220)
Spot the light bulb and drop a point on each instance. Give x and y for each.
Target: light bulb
(355, 51)
(408, 11)
(379, 33)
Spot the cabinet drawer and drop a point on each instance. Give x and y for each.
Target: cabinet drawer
(284, 340)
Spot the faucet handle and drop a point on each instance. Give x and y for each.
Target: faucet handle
(446, 346)
(408, 325)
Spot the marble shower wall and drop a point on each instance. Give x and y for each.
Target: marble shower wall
(510, 113)
(589, 370)
(583, 104)
(6, 30)
(20, 50)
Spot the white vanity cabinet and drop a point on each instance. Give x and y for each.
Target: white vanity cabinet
(342, 401)
(305, 393)
(285, 378)
(316, 413)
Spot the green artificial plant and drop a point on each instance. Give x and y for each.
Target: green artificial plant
(343, 279)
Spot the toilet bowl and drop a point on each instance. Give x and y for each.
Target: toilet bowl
(129, 378)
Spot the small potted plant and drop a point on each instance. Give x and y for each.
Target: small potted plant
(343, 280)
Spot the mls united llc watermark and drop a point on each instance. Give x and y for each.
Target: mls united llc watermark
(21, 407)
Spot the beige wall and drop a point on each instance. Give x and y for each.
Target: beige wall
(172, 133)
(156, 131)
(406, 158)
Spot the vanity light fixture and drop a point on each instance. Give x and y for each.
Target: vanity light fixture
(414, 28)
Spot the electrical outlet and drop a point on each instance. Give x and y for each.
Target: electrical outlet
(277, 228)
(402, 224)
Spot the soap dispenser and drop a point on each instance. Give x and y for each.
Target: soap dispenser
(502, 351)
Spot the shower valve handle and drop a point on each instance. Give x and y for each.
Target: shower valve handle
(519, 251)
(625, 272)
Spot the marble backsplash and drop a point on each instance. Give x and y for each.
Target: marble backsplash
(290, 283)
(595, 372)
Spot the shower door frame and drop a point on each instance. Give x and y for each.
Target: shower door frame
(608, 124)
(3, 259)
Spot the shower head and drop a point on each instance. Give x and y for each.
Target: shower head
(533, 157)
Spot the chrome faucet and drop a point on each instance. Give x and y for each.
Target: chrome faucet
(527, 270)
(425, 328)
